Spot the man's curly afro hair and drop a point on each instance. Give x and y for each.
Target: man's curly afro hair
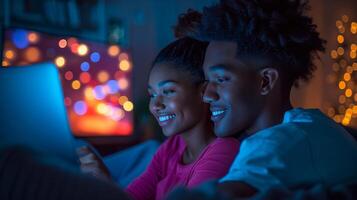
(276, 29)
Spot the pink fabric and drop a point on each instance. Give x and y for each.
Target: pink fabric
(167, 171)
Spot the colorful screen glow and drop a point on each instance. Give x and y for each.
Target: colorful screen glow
(96, 79)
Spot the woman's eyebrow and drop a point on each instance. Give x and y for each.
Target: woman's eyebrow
(162, 83)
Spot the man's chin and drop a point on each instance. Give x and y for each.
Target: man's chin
(219, 132)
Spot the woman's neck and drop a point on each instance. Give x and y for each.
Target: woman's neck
(196, 140)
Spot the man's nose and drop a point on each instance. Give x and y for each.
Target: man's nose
(210, 95)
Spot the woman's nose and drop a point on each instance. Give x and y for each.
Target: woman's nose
(157, 103)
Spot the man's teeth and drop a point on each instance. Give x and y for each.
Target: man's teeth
(166, 117)
(217, 112)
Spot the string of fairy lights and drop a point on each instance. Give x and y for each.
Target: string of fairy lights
(95, 78)
(344, 74)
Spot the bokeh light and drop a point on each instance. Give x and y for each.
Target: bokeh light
(19, 38)
(122, 100)
(10, 54)
(118, 114)
(347, 76)
(5, 63)
(113, 50)
(128, 106)
(82, 50)
(76, 84)
(89, 93)
(353, 54)
(72, 41)
(68, 75)
(348, 93)
(85, 66)
(124, 65)
(95, 57)
(123, 56)
(123, 84)
(353, 27)
(345, 18)
(32, 54)
(333, 54)
(60, 61)
(74, 48)
(103, 76)
(62, 43)
(113, 86)
(80, 108)
(85, 77)
(340, 51)
(102, 108)
(340, 39)
(99, 93)
(33, 37)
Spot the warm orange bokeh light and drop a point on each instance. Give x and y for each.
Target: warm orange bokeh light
(33, 54)
(113, 50)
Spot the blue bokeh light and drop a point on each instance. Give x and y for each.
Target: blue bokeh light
(99, 92)
(19, 38)
(95, 57)
(80, 107)
(113, 86)
(85, 66)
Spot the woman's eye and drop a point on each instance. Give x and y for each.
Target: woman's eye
(152, 95)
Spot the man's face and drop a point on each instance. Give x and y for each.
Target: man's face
(233, 89)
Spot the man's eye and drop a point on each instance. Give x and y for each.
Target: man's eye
(168, 92)
(222, 79)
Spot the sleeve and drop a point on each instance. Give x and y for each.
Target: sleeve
(215, 162)
(280, 159)
(144, 187)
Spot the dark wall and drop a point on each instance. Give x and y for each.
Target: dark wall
(149, 25)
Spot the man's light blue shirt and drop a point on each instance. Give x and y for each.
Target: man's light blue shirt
(306, 148)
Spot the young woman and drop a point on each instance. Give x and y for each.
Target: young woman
(191, 154)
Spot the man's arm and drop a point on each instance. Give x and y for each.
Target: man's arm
(236, 189)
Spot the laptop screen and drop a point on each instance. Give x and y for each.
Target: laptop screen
(96, 79)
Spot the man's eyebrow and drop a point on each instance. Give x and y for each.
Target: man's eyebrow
(219, 68)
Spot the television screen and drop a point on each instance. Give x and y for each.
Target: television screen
(96, 79)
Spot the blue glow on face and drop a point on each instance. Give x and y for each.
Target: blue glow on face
(85, 66)
(95, 57)
(19, 38)
(99, 92)
(113, 86)
(80, 107)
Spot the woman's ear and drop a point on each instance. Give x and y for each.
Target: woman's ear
(269, 78)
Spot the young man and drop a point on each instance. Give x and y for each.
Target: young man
(260, 49)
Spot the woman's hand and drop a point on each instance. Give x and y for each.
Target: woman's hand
(92, 164)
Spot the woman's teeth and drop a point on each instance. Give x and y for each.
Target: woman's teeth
(166, 117)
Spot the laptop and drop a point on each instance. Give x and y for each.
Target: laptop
(32, 112)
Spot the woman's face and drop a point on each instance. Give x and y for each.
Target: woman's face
(175, 101)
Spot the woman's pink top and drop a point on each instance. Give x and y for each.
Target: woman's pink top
(167, 171)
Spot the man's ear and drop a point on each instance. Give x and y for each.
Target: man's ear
(202, 88)
(269, 78)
